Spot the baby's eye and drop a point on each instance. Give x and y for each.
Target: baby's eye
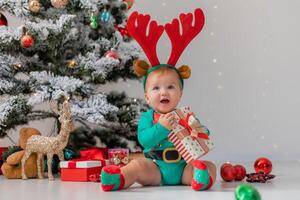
(155, 88)
(171, 87)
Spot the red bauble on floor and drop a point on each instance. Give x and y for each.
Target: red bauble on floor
(240, 172)
(227, 172)
(263, 165)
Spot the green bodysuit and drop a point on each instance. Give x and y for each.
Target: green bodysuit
(155, 137)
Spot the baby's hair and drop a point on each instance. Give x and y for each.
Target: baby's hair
(141, 67)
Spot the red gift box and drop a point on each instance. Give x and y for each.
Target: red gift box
(81, 170)
(2, 150)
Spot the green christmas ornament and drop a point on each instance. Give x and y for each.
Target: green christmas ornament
(93, 24)
(246, 192)
(70, 154)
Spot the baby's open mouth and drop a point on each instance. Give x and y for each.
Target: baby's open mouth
(164, 101)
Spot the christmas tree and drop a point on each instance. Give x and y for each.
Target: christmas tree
(68, 48)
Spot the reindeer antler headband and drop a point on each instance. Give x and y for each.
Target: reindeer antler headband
(137, 25)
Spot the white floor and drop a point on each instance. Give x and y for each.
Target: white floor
(286, 185)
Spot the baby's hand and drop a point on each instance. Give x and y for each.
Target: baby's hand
(167, 120)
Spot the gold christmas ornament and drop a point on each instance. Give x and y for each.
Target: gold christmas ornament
(59, 3)
(43, 145)
(72, 63)
(125, 160)
(17, 66)
(34, 6)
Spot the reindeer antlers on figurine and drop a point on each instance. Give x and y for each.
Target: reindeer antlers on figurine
(137, 25)
(43, 145)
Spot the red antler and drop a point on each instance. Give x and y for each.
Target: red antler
(148, 43)
(180, 42)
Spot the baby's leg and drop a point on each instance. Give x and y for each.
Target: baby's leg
(187, 175)
(142, 170)
(199, 174)
(212, 169)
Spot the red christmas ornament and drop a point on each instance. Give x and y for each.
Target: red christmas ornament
(27, 41)
(227, 172)
(263, 165)
(129, 3)
(3, 20)
(112, 54)
(240, 172)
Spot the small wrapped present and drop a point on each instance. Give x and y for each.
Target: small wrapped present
(2, 150)
(119, 157)
(81, 170)
(189, 136)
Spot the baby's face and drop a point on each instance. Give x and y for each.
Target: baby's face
(163, 91)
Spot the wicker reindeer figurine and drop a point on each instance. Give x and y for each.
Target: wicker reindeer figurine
(43, 145)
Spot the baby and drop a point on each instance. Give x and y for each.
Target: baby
(162, 165)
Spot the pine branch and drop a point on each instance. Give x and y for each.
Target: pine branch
(47, 34)
(18, 8)
(13, 112)
(68, 59)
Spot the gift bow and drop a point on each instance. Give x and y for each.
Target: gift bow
(194, 134)
(94, 153)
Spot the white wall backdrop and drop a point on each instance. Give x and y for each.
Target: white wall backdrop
(245, 74)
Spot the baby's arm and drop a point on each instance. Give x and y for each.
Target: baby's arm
(150, 135)
(167, 120)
